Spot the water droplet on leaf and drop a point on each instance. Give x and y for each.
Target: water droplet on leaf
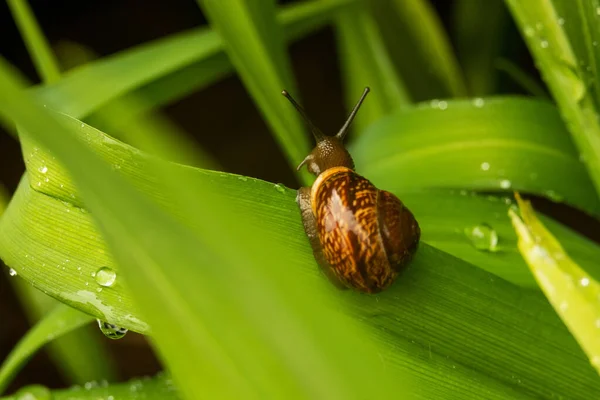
(111, 331)
(105, 276)
(485, 166)
(280, 188)
(12, 272)
(43, 169)
(482, 237)
(478, 102)
(505, 184)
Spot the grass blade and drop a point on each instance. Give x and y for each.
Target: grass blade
(365, 62)
(413, 31)
(574, 295)
(37, 45)
(555, 57)
(61, 320)
(480, 29)
(253, 41)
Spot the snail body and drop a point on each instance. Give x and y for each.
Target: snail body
(361, 236)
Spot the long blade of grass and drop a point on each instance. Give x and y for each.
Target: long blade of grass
(253, 41)
(574, 295)
(364, 61)
(61, 320)
(561, 68)
(496, 144)
(37, 45)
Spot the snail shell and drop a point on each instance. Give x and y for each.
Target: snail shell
(367, 235)
(361, 236)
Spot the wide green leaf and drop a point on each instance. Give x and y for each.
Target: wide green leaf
(496, 144)
(195, 292)
(438, 290)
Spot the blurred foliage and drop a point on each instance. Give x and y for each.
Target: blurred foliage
(216, 268)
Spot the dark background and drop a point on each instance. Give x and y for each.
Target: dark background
(222, 118)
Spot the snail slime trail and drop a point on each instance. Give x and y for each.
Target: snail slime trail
(362, 237)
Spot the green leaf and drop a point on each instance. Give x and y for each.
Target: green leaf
(195, 292)
(561, 67)
(365, 62)
(495, 144)
(253, 41)
(573, 294)
(444, 217)
(436, 321)
(62, 319)
(419, 47)
(156, 388)
(37, 45)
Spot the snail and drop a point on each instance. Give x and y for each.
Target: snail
(362, 237)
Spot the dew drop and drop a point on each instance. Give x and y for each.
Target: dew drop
(105, 277)
(280, 188)
(505, 184)
(544, 44)
(242, 178)
(598, 11)
(584, 281)
(529, 31)
(443, 105)
(485, 166)
(111, 331)
(478, 102)
(552, 195)
(43, 169)
(539, 26)
(561, 21)
(482, 237)
(12, 272)
(33, 392)
(564, 306)
(434, 103)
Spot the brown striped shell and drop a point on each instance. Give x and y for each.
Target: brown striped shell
(367, 235)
